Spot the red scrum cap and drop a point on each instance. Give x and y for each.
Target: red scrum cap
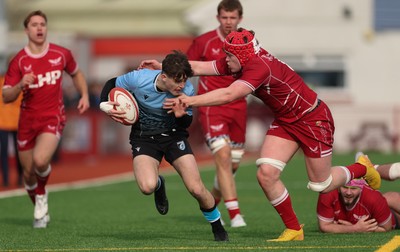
(243, 44)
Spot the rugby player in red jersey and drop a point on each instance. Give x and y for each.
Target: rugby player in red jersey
(224, 126)
(302, 121)
(37, 71)
(356, 208)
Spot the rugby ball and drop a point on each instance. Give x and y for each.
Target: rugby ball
(127, 103)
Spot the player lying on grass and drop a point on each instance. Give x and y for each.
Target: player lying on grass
(160, 133)
(356, 207)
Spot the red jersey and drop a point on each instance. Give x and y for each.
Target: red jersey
(44, 97)
(208, 47)
(276, 84)
(371, 203)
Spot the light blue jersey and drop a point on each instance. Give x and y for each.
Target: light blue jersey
(153, 119)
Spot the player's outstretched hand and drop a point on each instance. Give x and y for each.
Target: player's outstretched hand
(173, 105)
(150, 64)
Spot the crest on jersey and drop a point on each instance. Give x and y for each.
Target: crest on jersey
(215, 51)
(28, 68)
(55, 62)
(181, 145)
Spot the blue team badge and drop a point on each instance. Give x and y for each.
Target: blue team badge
(181, 145)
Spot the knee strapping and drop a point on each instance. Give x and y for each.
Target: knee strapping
(237, 155)
(217, 145)
(320, 186)
(273, 162)
(394, 171)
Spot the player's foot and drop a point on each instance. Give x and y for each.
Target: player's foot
(238, 221)
(290, 235)
(41, 206)
(221, 236)
(41, 223)
(160, 197)
(372, 177)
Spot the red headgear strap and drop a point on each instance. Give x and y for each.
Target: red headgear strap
(243, 44)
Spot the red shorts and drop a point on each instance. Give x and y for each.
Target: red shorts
(223, 121)
(313, 132)
(31, 126)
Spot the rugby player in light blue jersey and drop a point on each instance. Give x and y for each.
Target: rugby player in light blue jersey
(159, 133)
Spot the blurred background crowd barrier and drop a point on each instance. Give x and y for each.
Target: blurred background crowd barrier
(346, 50)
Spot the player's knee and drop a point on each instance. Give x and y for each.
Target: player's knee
(147, 188)
(237, 155)
(320, 186)
(217, 144)
(266, 175)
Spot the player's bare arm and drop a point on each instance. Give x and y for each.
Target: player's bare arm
(198, 67)
(216, 97)
(11, 94)
(81, 86)
(364, 225)
(203, 67)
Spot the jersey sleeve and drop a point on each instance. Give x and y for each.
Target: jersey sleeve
(127, 80)
(71, 66)
(379, 207)
(255, 74)
(325, 210)
(220, 66)
(13, 75)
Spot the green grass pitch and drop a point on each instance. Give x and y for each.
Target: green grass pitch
(117, 217)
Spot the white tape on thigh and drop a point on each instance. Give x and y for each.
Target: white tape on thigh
(394, 171)
(273, 162)
(319, 187)
(237, 155)
(217, 145)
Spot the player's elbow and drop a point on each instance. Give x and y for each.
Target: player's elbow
(7, 98)
(323, 228)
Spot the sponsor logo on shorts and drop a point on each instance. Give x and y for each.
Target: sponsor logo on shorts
(137, 149)
(181, 145)
(216, 128)
(22, 143)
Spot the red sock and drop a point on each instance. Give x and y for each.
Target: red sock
(42, 179)
(233, 207)
(283, 206)
(356, 170)
(217, 200)
(31, 190)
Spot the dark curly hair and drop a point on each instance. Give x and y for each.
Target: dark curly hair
(176, 65)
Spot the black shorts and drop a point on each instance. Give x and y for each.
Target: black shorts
(169, 145)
